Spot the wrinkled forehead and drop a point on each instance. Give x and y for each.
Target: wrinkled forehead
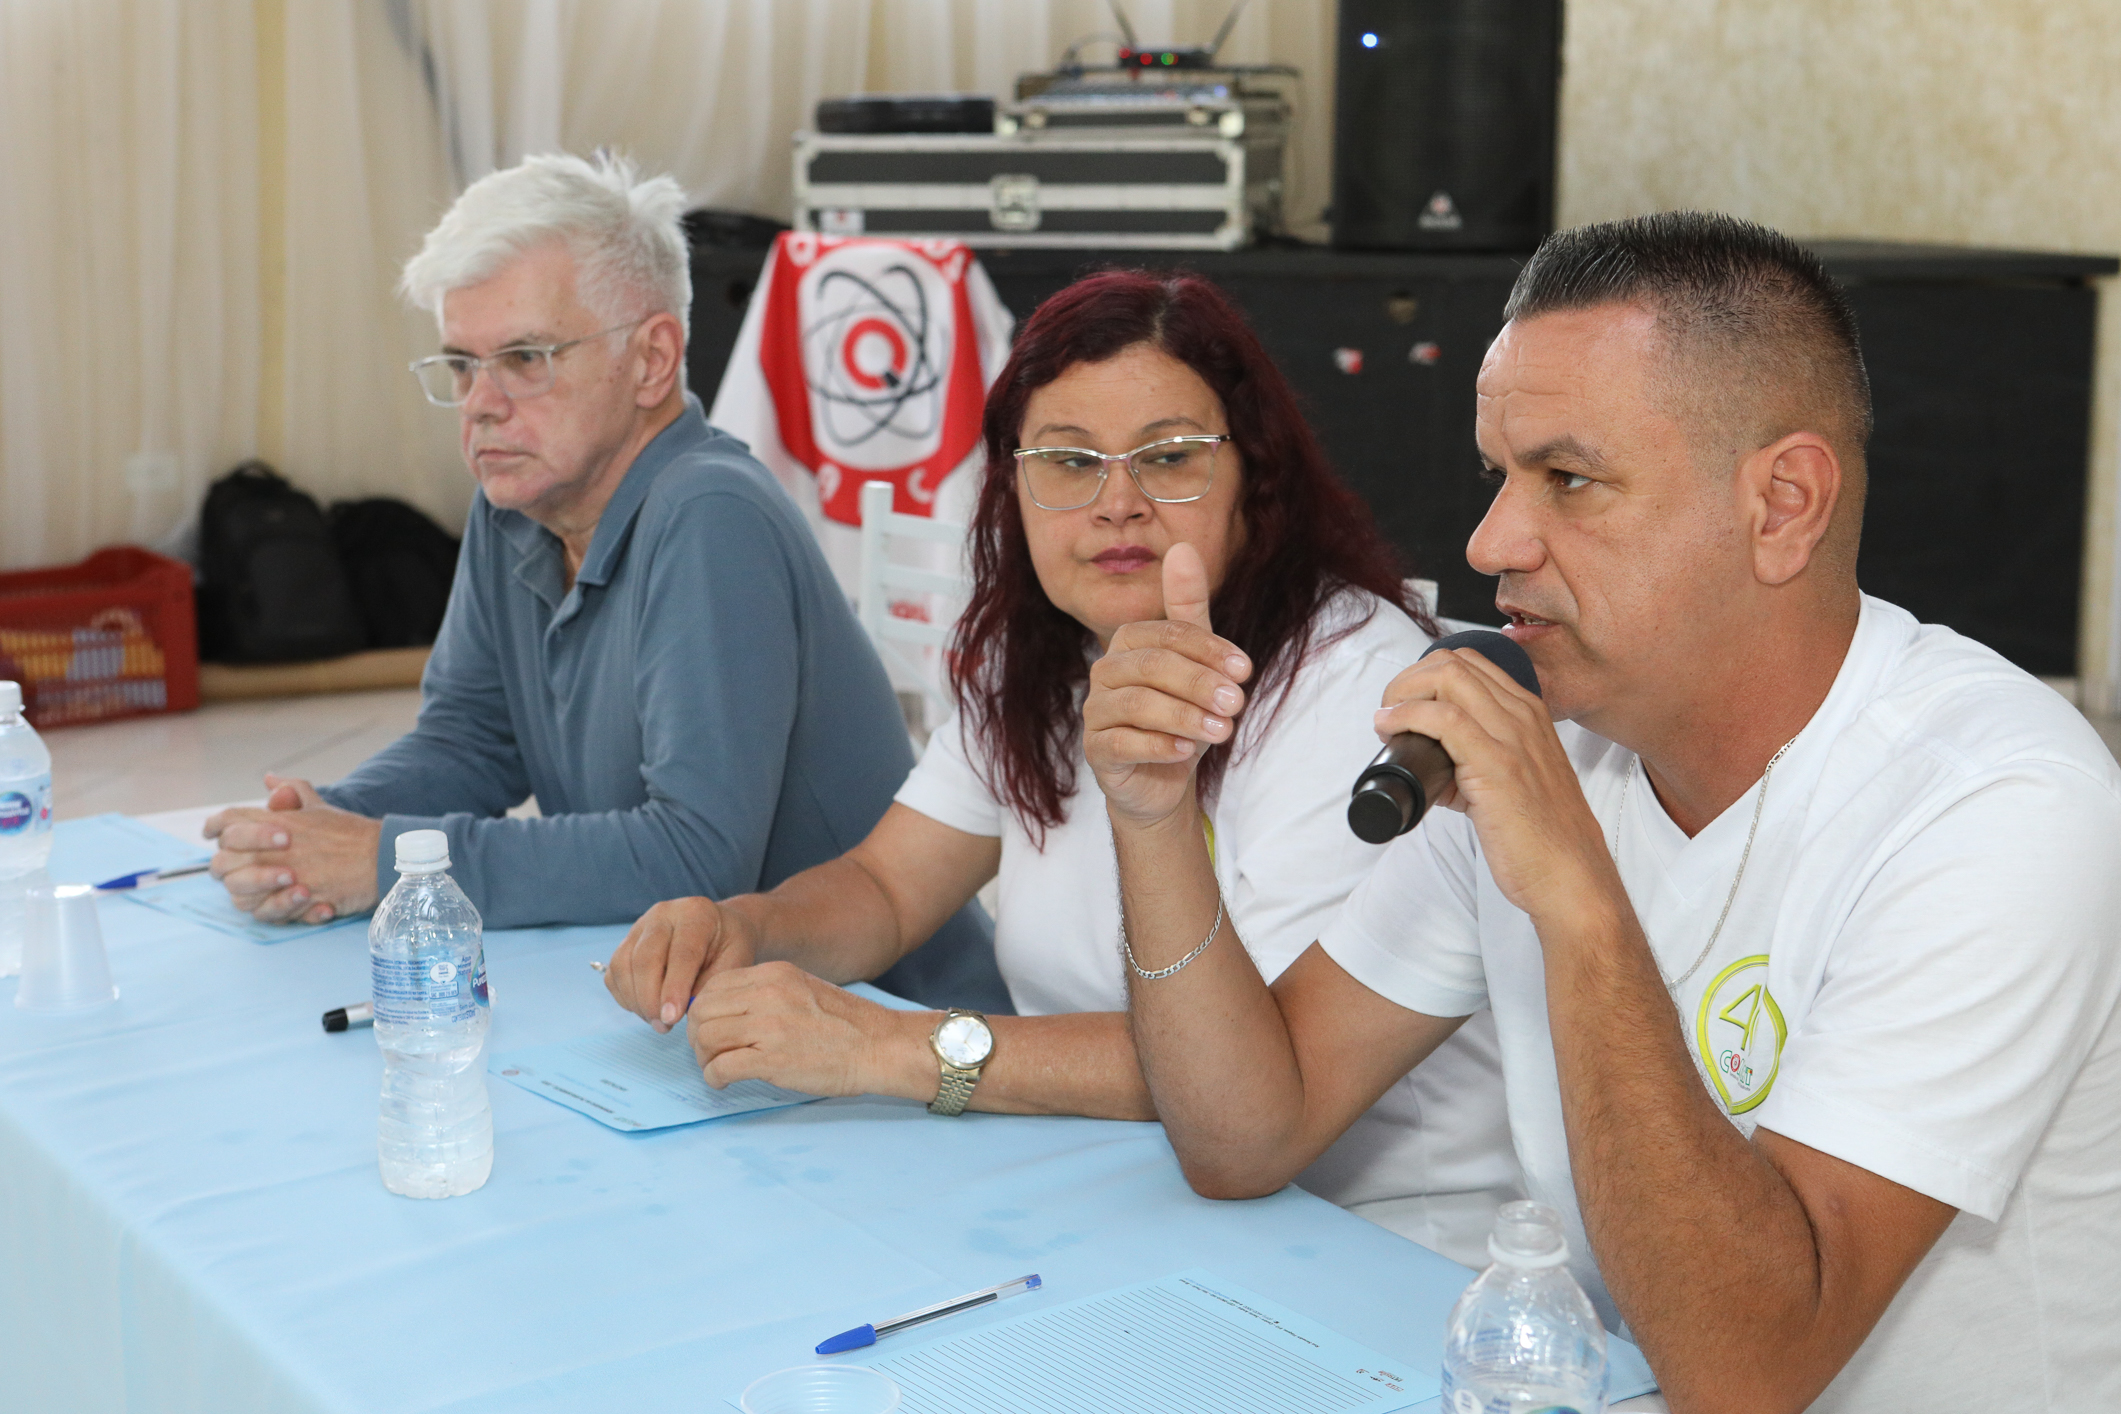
(1593, 376)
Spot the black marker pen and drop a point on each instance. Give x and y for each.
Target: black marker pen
(342, 1018)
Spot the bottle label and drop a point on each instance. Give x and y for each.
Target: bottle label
(25, 807)
(421, 991)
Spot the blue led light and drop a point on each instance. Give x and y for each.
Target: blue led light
(1369, 41)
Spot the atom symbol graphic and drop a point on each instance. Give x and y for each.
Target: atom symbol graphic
(862, 398)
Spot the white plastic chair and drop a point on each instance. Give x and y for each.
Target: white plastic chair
(1422, 592)
(892, 635)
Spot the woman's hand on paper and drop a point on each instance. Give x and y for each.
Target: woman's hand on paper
(777, 1023)
(672, 951)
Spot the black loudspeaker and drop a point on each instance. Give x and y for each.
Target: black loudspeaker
(1443, 128)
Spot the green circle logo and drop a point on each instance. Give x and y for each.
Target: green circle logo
(1740, 1032)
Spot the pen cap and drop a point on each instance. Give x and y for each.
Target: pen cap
(423, 852)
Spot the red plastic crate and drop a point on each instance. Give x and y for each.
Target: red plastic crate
(113, 636)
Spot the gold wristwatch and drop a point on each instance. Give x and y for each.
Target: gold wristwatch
(963, 1044)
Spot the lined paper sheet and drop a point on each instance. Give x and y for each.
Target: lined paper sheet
(633, 1079)
(1188, 1344)
(203, 899)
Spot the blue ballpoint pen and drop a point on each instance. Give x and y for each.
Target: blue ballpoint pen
(870, 1335)
(149, 876)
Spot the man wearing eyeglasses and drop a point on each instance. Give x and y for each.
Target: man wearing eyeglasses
(642, 634)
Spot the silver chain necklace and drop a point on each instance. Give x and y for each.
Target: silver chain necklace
(1759, 807)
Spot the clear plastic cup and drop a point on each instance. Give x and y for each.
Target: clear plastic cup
(64, 965)
(821, 1389)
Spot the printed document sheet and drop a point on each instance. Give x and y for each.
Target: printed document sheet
(1188, 1344)
(106, 846)
(202, 899)
(634, 1079)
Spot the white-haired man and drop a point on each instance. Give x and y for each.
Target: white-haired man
(642, 633)
(1802, 932)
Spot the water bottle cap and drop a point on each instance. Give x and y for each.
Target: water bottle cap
(10, 698)
(423, 852)
(1528, 1235)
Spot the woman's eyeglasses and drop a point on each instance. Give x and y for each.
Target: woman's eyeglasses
(1171, 472)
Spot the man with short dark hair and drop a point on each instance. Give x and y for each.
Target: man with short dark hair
(1802, 929)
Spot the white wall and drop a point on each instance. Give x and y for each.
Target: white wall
(1962, 121)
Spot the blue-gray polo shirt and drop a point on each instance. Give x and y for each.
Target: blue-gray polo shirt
(700, 713)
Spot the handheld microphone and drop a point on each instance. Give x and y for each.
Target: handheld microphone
(1394, 791)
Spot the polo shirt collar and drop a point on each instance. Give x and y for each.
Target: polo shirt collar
(608, 544)
(540, 560)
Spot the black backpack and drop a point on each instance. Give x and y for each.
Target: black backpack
(400, 565)
(271, 589)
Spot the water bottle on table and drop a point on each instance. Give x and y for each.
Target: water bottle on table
(434, 1138)
(25, 822)
(1524, 1339)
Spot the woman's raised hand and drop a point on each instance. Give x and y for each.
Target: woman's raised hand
(1163, 694)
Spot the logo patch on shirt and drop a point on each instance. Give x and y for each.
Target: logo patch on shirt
(1740, 1032)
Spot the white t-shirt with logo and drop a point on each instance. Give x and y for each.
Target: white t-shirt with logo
(1432, 1158)
(1919, 975)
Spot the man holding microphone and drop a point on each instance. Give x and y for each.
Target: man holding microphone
(1800, 921)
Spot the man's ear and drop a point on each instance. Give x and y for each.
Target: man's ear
(1792, 486)
(660, 354)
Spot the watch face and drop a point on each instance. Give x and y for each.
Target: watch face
(964, 1041)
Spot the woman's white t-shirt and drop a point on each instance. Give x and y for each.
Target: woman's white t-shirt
(1919, 975)
(1432, 1158)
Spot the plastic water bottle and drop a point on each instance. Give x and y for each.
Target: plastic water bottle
(434, 1138)
(1524, 1339)
(25, 822)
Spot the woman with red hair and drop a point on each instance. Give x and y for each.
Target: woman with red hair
(1140, 445)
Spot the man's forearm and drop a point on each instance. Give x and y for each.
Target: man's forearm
(606, 866)
(1706, 1248)
(425, 773)
(1212, 1043)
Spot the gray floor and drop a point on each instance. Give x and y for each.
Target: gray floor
(219, 753)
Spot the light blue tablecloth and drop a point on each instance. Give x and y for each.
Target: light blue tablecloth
(191, 1218)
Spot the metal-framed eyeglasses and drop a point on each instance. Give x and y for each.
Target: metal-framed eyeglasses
(1170, 471)
(519, 371)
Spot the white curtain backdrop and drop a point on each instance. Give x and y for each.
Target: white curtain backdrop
(363, 177)
(204, 203)
(128, 245)
(710, 90)
(202, 207)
